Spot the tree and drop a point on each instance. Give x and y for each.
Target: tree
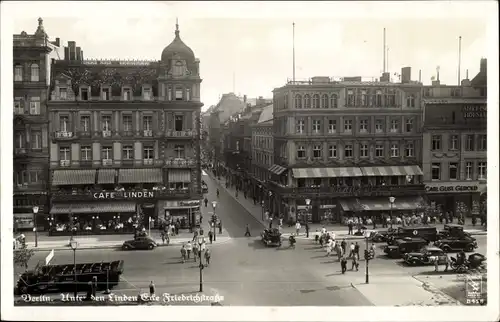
(22, 255)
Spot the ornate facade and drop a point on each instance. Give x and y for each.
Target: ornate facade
(125, 144)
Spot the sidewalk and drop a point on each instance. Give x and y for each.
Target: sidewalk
(340, 230)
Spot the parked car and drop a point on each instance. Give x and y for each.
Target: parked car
(375, 236)
(403, 246)
(426, 232)
(143, 242)
(457, 244)
(204, 187)
(271, 237)
(423, 256)
(453, 230)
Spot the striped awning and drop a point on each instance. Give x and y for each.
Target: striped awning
(93, 208)
(72, 177)
(381, 204)
(277, 169)
(140, 176)
(327, 172)
(179, 175)
(410, 170)
(106, 176)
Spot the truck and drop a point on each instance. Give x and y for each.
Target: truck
(62, 278)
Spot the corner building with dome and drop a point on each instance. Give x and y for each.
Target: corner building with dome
(124, 142)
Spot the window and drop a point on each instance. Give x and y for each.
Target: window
(238, 145)
(301, 126)
(436, 143)
(36, 140)
(469, 142)
(379, 126)
(409, 125)
(301, 152)
(298, 101)
(363, 126)
(169, 93)
(146, 93)
(106, 123)
(394, 150)
(454, 142)
(34, 176)
(315, 101)
(332, 151)
(179, 151)
(409, 150)
(35, 106)
(364, 99)
(378, 98)
(316, 126)
(391, 98)
(436, 171)
(332, 126)
(348, 151)
(468, 170)
(363, 150)
(394, 126)
(333, 101)
(128, 152)
(307, 101)
(301, 182)
(85, 123)
(106, 94)
(453, 171)
(64, 154)
(18, 106)
(179, 123)
(64, 123)
(127, 123)
(481, 170)
(35, 73)
(379, 150)
(179, 94)
(350, 97)
(455, 92)
(347, 125)
(107, 153)
(317, 151)
(147, 122)
(410, 100)
(86, 153)
(188, 94)
(18, 73)
(63, 93)
(148, 153)
(127, 94)
(482, 142)
(324, 101)
(84, 94)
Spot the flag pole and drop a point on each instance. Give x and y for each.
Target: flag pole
(293, 49)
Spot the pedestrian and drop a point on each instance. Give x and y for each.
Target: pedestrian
(189, 247)
(220, 227)
(351, 250)
(474, 221)
(195, 235)
(151, 288)
(163, 237)
(355, 263)
(206, 202)
(183, 253)
(247, 231)
(201, 231)
(195, 251)
(270, 222)
(236, 193)
(210, 236)
(372, 250)
(435, 261)
(207, 256)
(349, 226)
(323, 230)
(177, 227)
(297, 228)
(316, 236)
(343, 264)
(307, 230)
(356, 250)
(281, 221)
(343, 245)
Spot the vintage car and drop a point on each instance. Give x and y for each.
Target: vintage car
(453, 230)
(423, 256)
(271, 237)
(457, 244)
(142, 242)
(376, 236)
(403, 246)
(204, 187)
(426, 232)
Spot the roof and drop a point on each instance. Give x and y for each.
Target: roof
(177, 47)
(229, 105)
(267, 114)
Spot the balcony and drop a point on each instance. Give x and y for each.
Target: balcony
(128, 134)
(101, 195)
(106, 134)
(107, 162)
(148, 133)
(84, 134)
(64, 163)
(180, 163)
(64, 135)
(148, 161)
(346, 191)
(188, 134)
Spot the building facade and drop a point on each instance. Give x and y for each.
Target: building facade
(125, 148)
(455, 145)
(32, 54)
(347, 146)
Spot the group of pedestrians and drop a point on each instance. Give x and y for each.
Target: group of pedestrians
(197, 250)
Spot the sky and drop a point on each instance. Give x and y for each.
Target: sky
(246, 47)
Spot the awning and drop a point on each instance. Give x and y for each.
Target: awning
(327, 172)
(179, 175)
(381, 204)
(106, 176)
(410, 170)
(93, 208)
(72, 177)
(140, 176)
(277, 169)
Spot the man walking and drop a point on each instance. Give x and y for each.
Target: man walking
(343, 264)
(195, 235)
(356, 250)
(210, 236)
(307, 230)
(189, 247)
(206, 202)
(195, 251)
(247, 231)
(297, 228)
(151, 288)
(207, 256)
(220, 227)
(355, 263)
(343, 245)
(351, 250)
(349, 226)
(183, 253)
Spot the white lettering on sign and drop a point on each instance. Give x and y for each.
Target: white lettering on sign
(124, 195)
(451, 188)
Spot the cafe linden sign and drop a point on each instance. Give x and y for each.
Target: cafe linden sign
(124, 195)
(457, 188)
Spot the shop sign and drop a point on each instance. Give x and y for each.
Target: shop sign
(124, 195)
(474, 111)
(182, 203)
(24, 221)
(453, 188)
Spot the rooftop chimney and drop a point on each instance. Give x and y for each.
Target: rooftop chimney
(405, 75)
(244, 99)
(386, 77)
(482, 66)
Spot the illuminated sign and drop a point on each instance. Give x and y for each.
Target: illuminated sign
(124, 195)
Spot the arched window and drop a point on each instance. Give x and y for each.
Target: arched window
(333, 101)
(18, 73)
(378, 98)
(307, 101)
(364, 98)
(315, 101)
(35, 73)
(298, 101)
(324, 101)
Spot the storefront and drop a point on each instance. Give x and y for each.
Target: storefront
(23, 221)
(186, 212)
(456, 197)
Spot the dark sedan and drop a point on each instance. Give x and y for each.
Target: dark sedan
(139, 243)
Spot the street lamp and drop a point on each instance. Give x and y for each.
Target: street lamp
(214, 219)
(35, 212)
(391, 200)
(150, 220)
(308, 202)
(74, 245)
(269, 203)
(201, 266)
(367, 259)
(262, 204)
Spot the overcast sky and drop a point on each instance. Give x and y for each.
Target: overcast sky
(254, 40)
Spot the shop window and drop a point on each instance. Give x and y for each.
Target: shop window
(301, 183)
(317, 182)
(436, 171)
(394, 180)
(453, 171)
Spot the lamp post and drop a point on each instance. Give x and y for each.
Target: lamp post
(391, 200)
(262, 207)
(367, 259)
(214, 219)
(74, 245)
(308, 202)
(150, 220)
(201, 266)
(35, 212)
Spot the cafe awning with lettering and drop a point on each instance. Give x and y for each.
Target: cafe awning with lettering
(326, 172)
(73, 177)
(178, 175)
(409, 170)
(381, 204)
(140, 176)
(93, 208)
(277, 169)
(106, 176)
